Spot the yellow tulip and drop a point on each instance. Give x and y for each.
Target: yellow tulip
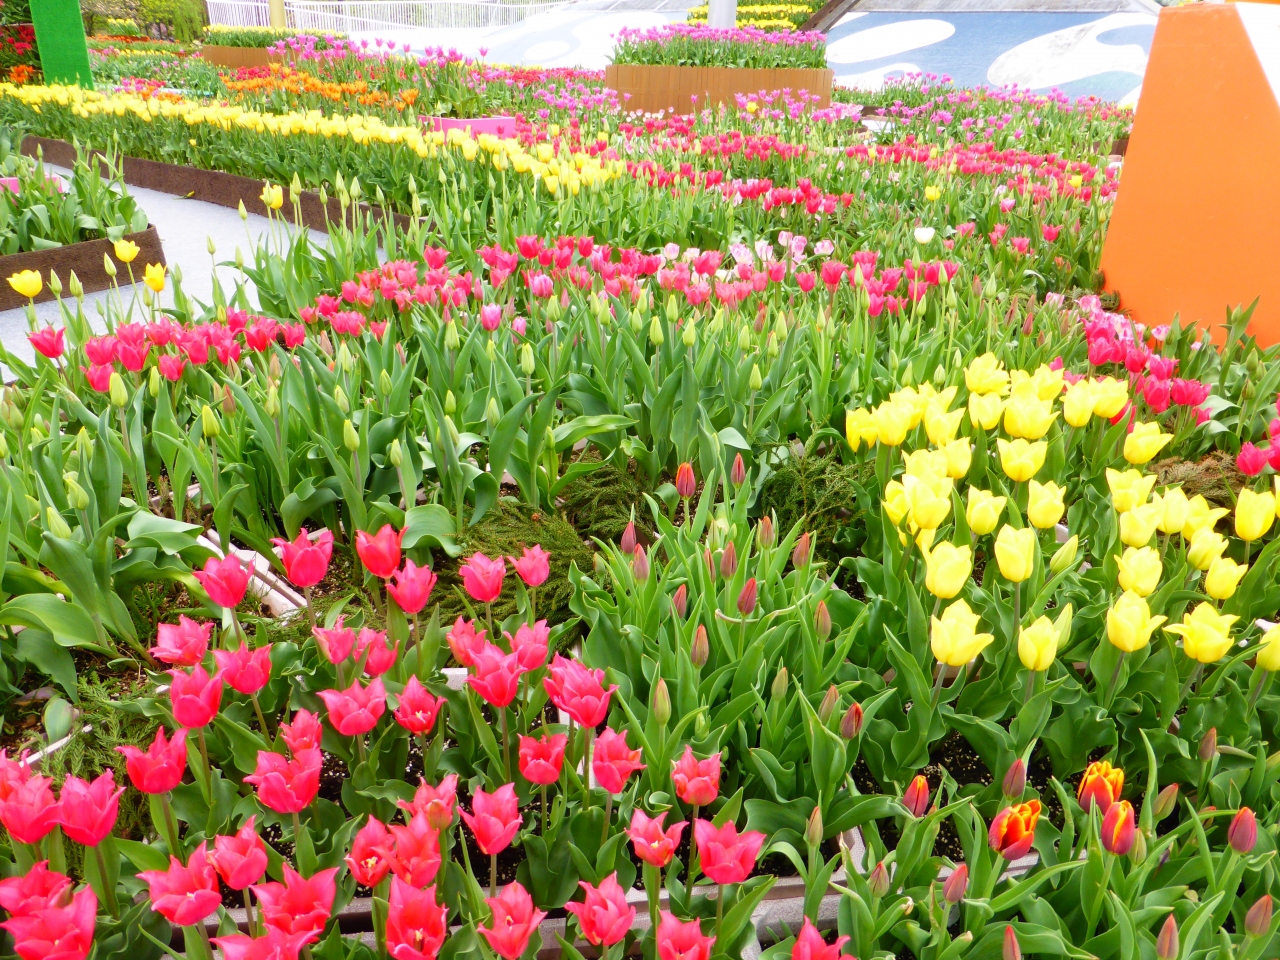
(1176, 507)
(959, 457)
(1129, 488)
(1200, 516)
(272, 196)
(155, 276)
(1077, 403)
(1140, 570)
(125, 250)
(1205, 547)
(986, 374)
(947, 569)
(930, 465)
(1038, 644)
(1223, 576)
(856, 424)
(1138, 526)
(27, 283)
(1021, 460)
(1044, 504)
(940, 425)
(1206, 633)
(1109, 397)
(1269, 650)
(912, 400)
(1255, 513)
(954, 639)
(1016, 552)
(929, 503)
(893, 420)
(985, 410)
(932, 193)
(1028, 418)
(1049, 382)
(894, 503)
(924, 539)
(983, 511)
(1144, 441)
(1130, 623)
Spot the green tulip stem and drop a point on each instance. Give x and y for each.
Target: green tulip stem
(1017, 610)
(506, 745)
(108, 888)
(262, 720)
(493, 874)
(608, 812)
(1260, 683)
(543, 790)
(204, 939)
(208, 770)
(1115, 679)
(937, 684)
(586, 766)
(719, 909)
(248, 914)
(311, 612)
(1190, 684)
(171, 823)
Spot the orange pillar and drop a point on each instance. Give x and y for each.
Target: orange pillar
(1196, 225)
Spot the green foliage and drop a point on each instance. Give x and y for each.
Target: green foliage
(821, 492)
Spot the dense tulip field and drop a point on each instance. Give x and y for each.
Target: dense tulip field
(750, 533)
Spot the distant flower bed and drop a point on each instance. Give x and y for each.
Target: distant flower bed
(687, 45)
(262, 36)
(762, 16)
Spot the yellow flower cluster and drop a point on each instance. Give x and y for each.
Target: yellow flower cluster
(544, 164)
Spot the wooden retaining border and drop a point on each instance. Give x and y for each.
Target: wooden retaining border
(86, 259)
(660, 87)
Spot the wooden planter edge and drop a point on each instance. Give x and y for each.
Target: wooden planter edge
(85, 258)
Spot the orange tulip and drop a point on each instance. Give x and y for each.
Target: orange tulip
(1118, 828)
(1101, 784)
(1014, 829)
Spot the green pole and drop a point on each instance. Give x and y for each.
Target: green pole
(64, 53)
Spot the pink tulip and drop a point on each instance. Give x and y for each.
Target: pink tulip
(497, 676)
(246, 670)
(466, 641)
(725, 855)
(225, 580)
(87, 811)
(613, 761)
(578, 691)
(530, 645)
(240, 859)
(195, 697)
(378, 657)
(370, 857)
(185, 895)
(56, 933)
(679, 940)
(335, 643)
(697, 781)
(482, 577)
(417, 708)
(514, 920)
(604, 916)
(435, 803)
(298, 906)
(160, 769)
(416, 923)
(183, 644)
(28, 810)
(303, 733)
(411, 587)
(541, 759)
(494, 819)
(380, 553)
(287, 786)
(38, 889)
(306, 561)
(355, 710)
(533, 566)
(415, 851)
(652, 844)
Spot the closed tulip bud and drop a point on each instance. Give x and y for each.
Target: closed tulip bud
(680, 600)
(492, 415)
(1015, 780)
(272, 404)
(450, 403)
(689, 336)
(801, 554)
(673, 309)
(780, 682)
(1257, 922)
(384, 383)
(738, 472)
(661, 702)
(851, 724)
(1166, 800)
(1242, 834)
(119, 395)
(822, 620)
(813, 829)
(640, 564)
(527, 365)
(4, 447)
(656, 334)
(828, 705)
(491, 350)
(1167, 943)
(340, 398)
(55, 285)
(451, 339)
(756, 381)
(1139, 851)
(1064, 556)
(240, 254)
(210, 245)
(878, 880)
(350, 439)
(1208, 745)
(76, 494)
(153, 382)
(108, 267)
(1268, 645)
(771, 347)
(228, 400)
(765, 535)
(56, 525)
(1010, 949)
(729, 561)
(244, 214)
(956, 885)
(75, 287)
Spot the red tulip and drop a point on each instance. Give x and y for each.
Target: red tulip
(801, 555)
(482, 577)
(627, 544)
(640, 564)
(738, 472)
(380, 553)
(533, 566)
(541, 759)
(415, 852)
(956, 885)
(273, 945)
(916, 799)
(729, 561)
(1100, 785)
(578, 691)
(1014, 829)
(411, 587)
(56, 933)
(604, 916)
(1242, 834)
(809, 945)
(680, 600)
(225, 580)
(613, 761)
(650, 843)
(99, 377)
(298, 906)
(185, 895)
(245, 669)
(416, 924)
(1011, 949)
(514, 921)
(195, 697)
(171, 367)
(287, 786)
(160, 769)
(370, 857)
(380, 658)
(697, 781)
(183, 644)
(306, 561)
(686, 483)
(466, 641)
(417, 708)
(530, 645)
(48, 342)
(747, 598)
(682, 940)
(355, 710)
(38, 889)
(497, 676)
(335, 643)
(303, 733)
(87, 811)
(495, 818)
(28, 810)
(726, 856)
(240, 859)
(435, 803)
